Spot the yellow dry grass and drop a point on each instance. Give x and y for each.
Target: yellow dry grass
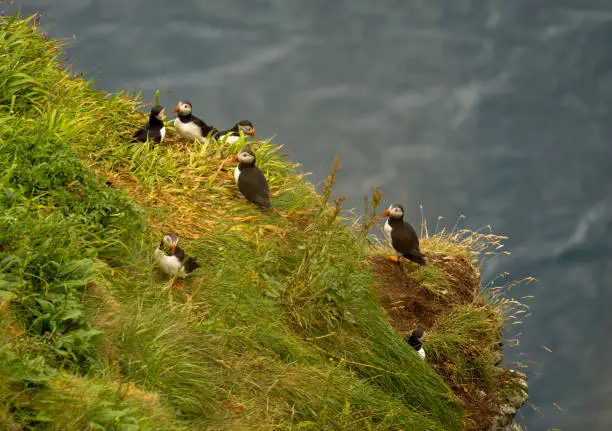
(201, 192)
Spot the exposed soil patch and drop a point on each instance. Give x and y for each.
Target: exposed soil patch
(408, 304)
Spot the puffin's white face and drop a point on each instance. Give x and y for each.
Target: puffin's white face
(161, 114)
(246, 129)
(395, 212)
(183, 108)
(245, 157)
(170, 240)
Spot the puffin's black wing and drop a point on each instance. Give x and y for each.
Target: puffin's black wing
(414, 342)
(154, 133)
(141, 134)
(205, 128)
(220, 133)
(179, 253)
(405, 240)
(253, 185)
(191, 265)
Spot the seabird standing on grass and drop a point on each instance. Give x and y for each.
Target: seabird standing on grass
(402, 236)
(415, 340)
(251, 181)
(189, 126)
(232, 135)
(171, 259)
(154, 130)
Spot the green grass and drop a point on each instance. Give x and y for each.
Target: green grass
(432, 278)
(279, 329)
(464, 342)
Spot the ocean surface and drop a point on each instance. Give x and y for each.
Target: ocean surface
(500, 111)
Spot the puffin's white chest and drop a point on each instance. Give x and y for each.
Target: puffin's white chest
(169, 264)
(231, 139)
(228, 139)
(188, 130)
(387, 229)
(236, 174)
(421, 353)
(163, 134)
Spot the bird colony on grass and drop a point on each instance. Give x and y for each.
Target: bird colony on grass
(253, 185)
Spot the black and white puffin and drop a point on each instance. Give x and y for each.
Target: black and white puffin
(154, 130)
(171, 259)
(251, 181)
(189, 126)
(232, 135)
(415, 340)
(402, 236)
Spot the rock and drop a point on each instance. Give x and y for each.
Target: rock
(517, 395)
(518, 399)
(514, 427)
(506, 410)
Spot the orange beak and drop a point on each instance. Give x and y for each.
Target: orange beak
(173, 248)
(253, 134)
(175, 110)
(385, 213)
(234, 159)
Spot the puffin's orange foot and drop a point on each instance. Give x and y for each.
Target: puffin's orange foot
(406, 259)
(179, 285)
(393, 258)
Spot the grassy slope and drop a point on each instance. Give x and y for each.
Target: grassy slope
(280, 329)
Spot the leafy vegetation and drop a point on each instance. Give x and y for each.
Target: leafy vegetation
(279, 329)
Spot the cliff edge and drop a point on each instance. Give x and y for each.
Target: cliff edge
(295, 319)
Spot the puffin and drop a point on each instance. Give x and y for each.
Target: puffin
(154, 130)
(189, 126)
(171, 259)
(232, 135)
(416, 340)
(402, 236)
(251, 181)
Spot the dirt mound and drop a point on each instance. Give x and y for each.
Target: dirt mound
(408, 304)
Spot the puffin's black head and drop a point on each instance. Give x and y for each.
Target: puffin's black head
(182, 108)
(158, 112)
(246, 127)
(418, 333)
(246, 156)
(169, 242)
(395, 211)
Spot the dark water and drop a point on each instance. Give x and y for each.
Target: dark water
(498, 110)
